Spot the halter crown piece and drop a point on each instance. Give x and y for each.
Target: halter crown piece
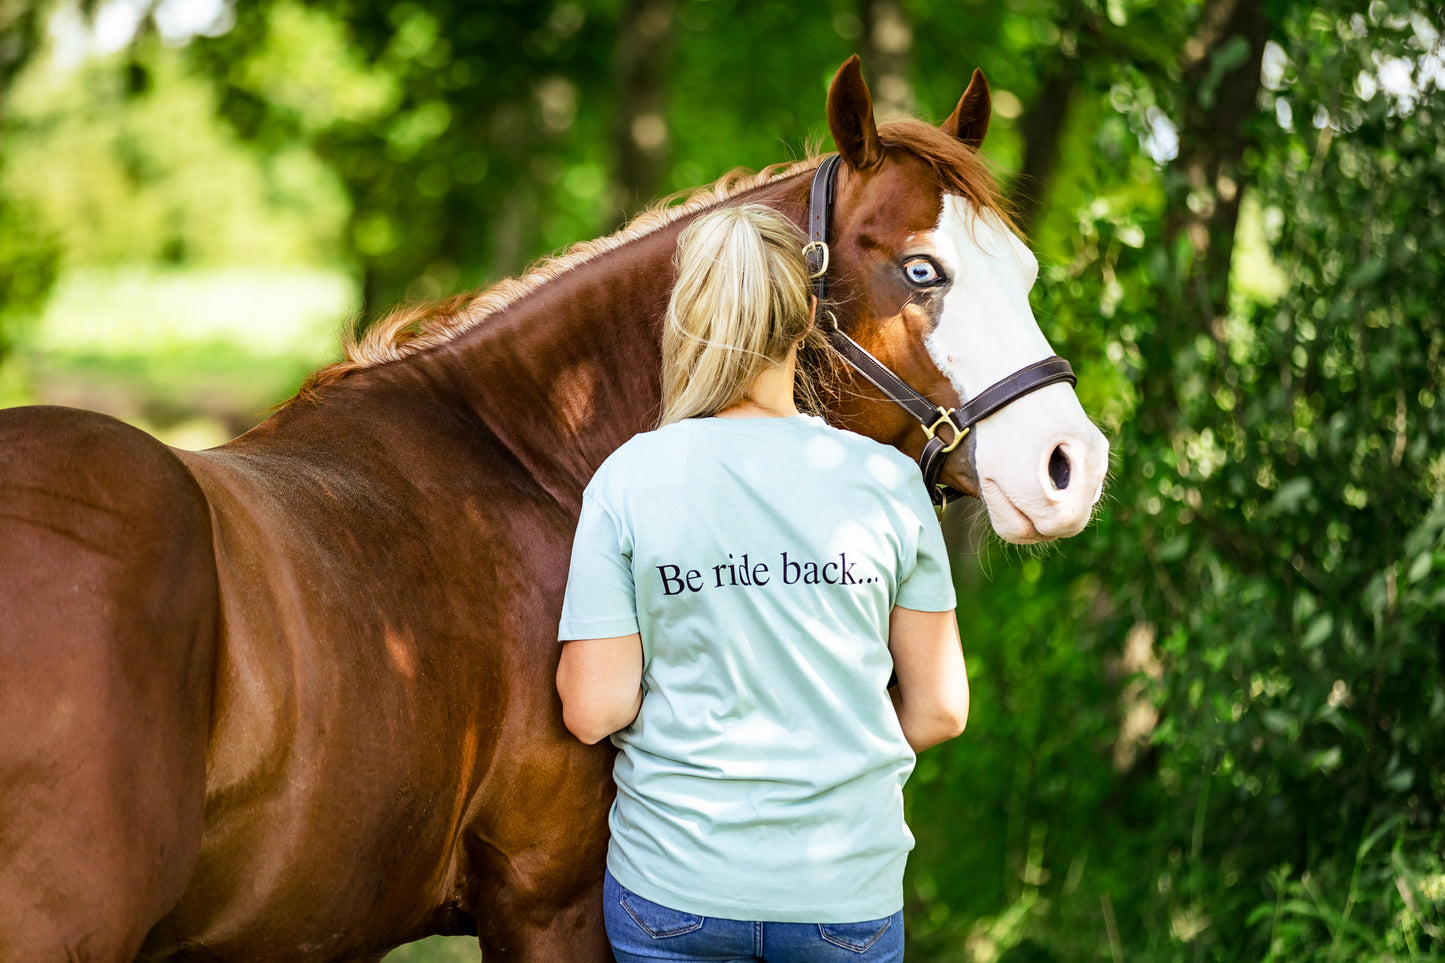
(932, 418)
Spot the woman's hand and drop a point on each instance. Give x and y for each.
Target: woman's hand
(932, 692)
(600, 681)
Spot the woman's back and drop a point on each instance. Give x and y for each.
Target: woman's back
(761, 560)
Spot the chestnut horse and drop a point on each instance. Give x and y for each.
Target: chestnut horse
(292, 698)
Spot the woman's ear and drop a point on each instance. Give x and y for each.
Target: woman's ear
(812, 319)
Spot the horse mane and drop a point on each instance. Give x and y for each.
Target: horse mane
(411, 329)
(958, 168)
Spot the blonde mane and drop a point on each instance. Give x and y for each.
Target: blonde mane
(411, 329)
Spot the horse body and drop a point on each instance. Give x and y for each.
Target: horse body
(292, 698)
(403, 734)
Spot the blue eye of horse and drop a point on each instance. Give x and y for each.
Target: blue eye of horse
(922, 271)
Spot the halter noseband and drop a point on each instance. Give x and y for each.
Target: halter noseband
(931, 417)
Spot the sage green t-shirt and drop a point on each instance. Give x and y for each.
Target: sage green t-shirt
(759, 559)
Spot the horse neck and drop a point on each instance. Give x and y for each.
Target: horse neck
(570, 371)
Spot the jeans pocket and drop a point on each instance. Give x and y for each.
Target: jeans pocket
(858, 937)
(656, 920)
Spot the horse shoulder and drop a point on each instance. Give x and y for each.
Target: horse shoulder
(107, 631)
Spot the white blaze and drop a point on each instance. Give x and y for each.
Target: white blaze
(986, 331)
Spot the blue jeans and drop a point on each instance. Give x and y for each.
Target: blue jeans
(641, 930)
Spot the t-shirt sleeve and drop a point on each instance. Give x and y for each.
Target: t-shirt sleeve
(928, 586)
(600, 602)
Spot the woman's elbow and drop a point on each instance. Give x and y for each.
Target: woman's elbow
(586, 718)
(956, 722)
(584, 727)
(593, 719)
(579, 707)
(952, 717)
(961, 710)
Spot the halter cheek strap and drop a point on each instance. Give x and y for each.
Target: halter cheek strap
(932, 418)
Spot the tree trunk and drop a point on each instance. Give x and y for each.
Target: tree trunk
(1220, 86)
(1041, 128)
(887, 46)
(20, 26)
(640, 134)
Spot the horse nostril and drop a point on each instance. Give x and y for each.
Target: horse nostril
(1059, 468)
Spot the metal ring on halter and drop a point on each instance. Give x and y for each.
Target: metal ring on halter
(945, 417)
(823, 247)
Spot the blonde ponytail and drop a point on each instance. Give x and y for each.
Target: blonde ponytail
(740, 304)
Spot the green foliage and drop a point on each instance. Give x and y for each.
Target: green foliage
(1267, 556)
(28, 265)
(469, 137)
(1390, 906)
(94, 149)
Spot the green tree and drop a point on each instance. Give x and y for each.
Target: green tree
(448, 125)
(1217, 713)
(28, 255)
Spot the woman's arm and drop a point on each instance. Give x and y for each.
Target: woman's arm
(600, 681)
(932, 692)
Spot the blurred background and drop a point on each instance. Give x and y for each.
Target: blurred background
(1209, 728)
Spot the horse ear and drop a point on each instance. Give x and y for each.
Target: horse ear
(850, 117)
(969, 120)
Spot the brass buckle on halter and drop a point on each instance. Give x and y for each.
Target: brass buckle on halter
(945, 417)
(823, 248)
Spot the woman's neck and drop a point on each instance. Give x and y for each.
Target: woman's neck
(771, 393)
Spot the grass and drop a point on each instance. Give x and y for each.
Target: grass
(438, 949)
(195, 356)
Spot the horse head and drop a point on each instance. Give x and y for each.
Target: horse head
(932, 279)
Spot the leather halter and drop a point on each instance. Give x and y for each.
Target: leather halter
(931, 417)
